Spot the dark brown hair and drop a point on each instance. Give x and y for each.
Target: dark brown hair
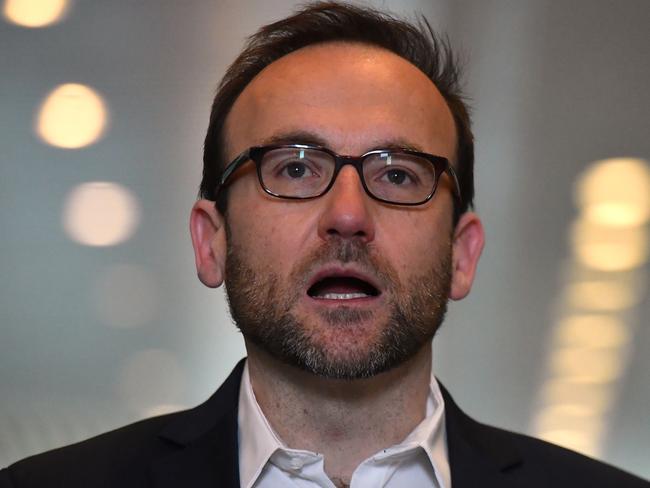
(323, 22)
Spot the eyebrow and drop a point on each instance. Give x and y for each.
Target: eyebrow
(296, 137)
(311, 138)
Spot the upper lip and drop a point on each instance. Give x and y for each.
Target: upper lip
(340, 271)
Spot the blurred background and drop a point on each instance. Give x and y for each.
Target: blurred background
(104, 106)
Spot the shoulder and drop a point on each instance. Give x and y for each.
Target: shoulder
(99, 461)
(200, 443)
(478, 452)
(560, 467)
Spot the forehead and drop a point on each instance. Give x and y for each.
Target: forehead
(352, 96)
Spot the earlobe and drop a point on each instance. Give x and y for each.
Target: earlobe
(469, 238)
(207, 228)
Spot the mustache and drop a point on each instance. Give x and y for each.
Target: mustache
(346, 251)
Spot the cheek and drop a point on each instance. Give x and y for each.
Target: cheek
(411, 256)
(272, 235)
(417, 247)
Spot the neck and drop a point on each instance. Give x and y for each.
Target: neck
(345, 420)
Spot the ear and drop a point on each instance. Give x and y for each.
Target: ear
(207, 227)
(469, 238)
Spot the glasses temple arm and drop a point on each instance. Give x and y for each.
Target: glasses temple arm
(231, 168)
(452, 173)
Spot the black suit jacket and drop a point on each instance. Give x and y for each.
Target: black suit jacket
(197, 448)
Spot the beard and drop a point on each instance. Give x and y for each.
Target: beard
(263, 308)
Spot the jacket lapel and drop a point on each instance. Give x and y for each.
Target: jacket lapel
(206, 438)
(479, 456)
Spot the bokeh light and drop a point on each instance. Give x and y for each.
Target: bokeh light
(125, 296)
(100, 214)
(590, 343)
(560, 417)
(560, 391)
(586, 365)
(603, 295)
(609, 248)
(591, 330)
(615, 192)
(72, 116)
(34, 13)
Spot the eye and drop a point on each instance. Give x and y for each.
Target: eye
(398, 177)
(296, 170)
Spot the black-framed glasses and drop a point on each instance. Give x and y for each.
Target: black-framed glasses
(301, 171)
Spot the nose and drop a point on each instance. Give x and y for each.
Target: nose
(347, 212)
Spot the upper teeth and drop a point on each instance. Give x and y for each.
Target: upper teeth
(342, 296)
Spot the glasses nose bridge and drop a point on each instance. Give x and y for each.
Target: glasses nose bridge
(342, 161)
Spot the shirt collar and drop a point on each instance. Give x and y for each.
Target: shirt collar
(258, 441)
(431, 435)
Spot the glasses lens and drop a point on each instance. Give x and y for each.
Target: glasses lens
(296, 172)
(399, 177)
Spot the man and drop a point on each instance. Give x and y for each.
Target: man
(337, 191)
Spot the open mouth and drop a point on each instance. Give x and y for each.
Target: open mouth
(342, 288)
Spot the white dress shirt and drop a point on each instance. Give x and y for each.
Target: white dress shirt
(421, 460)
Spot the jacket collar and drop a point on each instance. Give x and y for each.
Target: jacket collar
(479, 455)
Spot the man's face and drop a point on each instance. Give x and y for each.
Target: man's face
(341, 285)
